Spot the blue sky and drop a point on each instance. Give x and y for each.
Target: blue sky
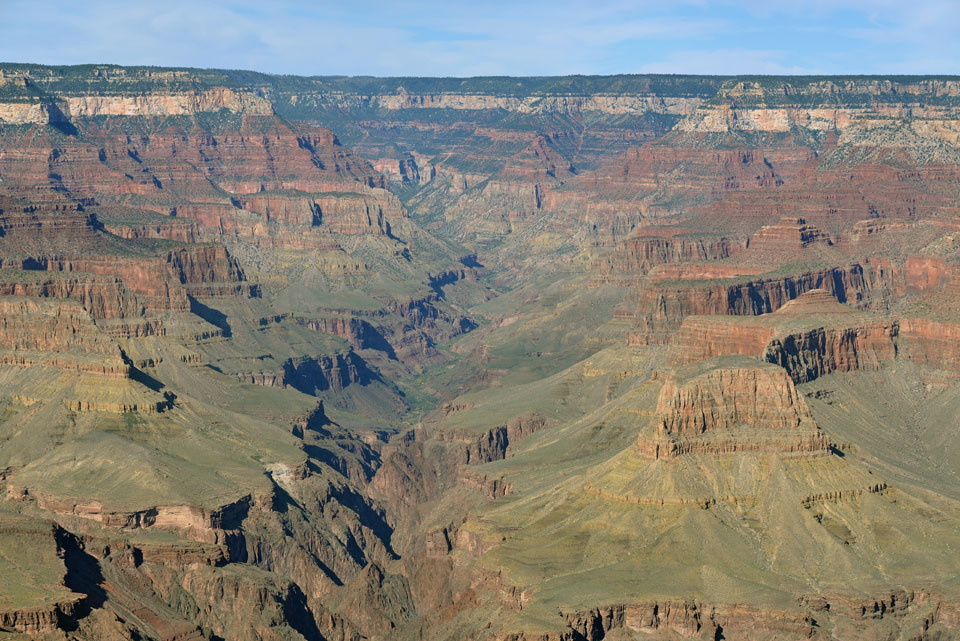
(496, 37)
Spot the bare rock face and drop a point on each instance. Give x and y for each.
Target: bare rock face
(931, 343)
(495, 443)
(60, 334)
(814, 335)
(685, 619)
(725, 399)
(746, 105)
(650, 247)
(815, 301)
(663, 305)
(703, 337)
(789, 235)
(310, 374)
(366, 212)
(641, 182)
(174, 104)
(105, 298)
(811, 331)
(809, 355)
(732, 408)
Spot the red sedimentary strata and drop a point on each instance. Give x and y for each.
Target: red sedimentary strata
(60, 334)
(790, 234)
(695, 618)
(366, 211)
(830, 337)
(261, 153)
(102, 297)
(838, 196)
(669, 293)
(736, 408)
(658, 180)
(662, 305)
(649, 247)
(234, 180)
(54, 249)
(184, 231)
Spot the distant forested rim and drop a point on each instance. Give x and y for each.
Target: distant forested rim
(31, 81)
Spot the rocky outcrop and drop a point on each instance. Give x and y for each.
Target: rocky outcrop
(932, 343)
(32, 224)
(360, 333)
(813, 335)
(257, 154)
(693, 618)
(312, 374)
(660, 180)
(61, 335)
(809, 355)
(103, 298)
(663, 305)
(176, 104)
(216, 526)
(366, 212)
(200, 264)
(407, 170)
(619, 104)
(782, 105)
(39, 620)
(650, 247)
(111, 281)
(789, 235)
(152, 104)
(703, 337)
(490, 487)
(34, 325)
(494, 444)
(178, 230)
(732, 408)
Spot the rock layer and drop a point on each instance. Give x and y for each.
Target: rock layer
(732, 409)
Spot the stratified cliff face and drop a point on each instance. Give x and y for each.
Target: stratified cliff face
(535, 358)
(669, 301)
(825, 104)
(650, 247)
(813, 335)
(732, 409)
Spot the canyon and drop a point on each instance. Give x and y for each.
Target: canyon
(518, 359)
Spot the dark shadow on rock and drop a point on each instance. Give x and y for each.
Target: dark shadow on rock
(213, 316)
(83, 577)
(371, 338)
(298, 616)
(471, 261)
(59, 121)
(145, 379)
